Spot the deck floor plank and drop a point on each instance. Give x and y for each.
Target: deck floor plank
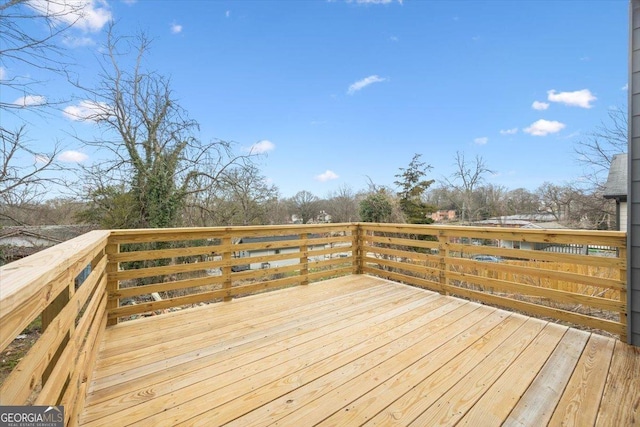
(386, 382)
(358, 350)
(402, 347)
(579, 403)
(332, 350)
(162, 351)
(459, 399)
(230, 317)
(406, 409)
(496, 404)
(620, 404)
(235, 352)
(280, 351)
(536, 406)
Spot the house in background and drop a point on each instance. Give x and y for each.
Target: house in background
(536, 220)
(21, 241)
(616, 188)
(444, 215)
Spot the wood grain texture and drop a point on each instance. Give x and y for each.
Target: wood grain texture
(357, 350)
(537, 404)
(581, 399)
(620, 404)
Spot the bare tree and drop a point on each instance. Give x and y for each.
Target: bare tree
(597, 149)
(521, 201)
(37, 50)
(575, 206)
(25, 174)
(29, 41)
(241, 197)
(153, 149)
(492, 198)
(468, 176)
(342, 205)
(305, 205)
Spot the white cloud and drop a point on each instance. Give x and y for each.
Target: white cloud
(261, 147)
(537, 105)
(71, 156)
(129, 2)
(176, 28)
(87, 15)
(625, 87)
(86, 111)
(481, 141)
(579, 98)
(227, 13)
(544, 127)
(511, 131)
(30, 100)
(394, 38)
(361, 84)
(3, 73)
(328, 175)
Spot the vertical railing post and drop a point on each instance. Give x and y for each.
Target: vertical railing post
(623, 294)
(443, 252)
(357, 248)
(304, 259)
(227, 283)
(113, 285)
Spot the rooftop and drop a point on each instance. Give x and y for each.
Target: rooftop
(616, 185)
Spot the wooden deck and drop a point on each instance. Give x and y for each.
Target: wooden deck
(354, 351)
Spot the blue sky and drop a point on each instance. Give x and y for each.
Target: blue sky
(337, 92)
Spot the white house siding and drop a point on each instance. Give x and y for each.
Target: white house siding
(26, 241)
(623, 217)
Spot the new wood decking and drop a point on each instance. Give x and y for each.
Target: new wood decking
(356, 351)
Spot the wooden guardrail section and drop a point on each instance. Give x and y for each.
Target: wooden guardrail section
(181, 267)
(573, 276)
(43, 287)
(570, 275)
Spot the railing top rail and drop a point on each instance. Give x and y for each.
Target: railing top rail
(190, 233)
(24, 278)
(234, 228)
(465, 229)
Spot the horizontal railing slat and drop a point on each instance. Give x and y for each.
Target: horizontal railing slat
(25, 378)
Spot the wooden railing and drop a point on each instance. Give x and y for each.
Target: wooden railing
(43, 288)
(155, 270)
(572, 276)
